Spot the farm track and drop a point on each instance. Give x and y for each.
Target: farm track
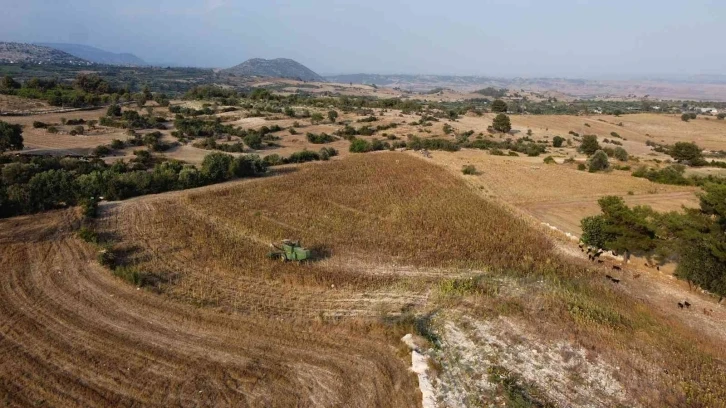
(73, 335)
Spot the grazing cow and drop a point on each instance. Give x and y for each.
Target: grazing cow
(680, 305)
(658, 268)
(617, 268)
(600, 261)
(608, 277)
(686, 304)
(615, 280)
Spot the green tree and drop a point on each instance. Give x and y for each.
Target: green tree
(589, 145)
(113, 111)
(685, 117)
(557, 141)
(721, 116)
(598, 161)
(11, 137)
(686, 152)
(316, 118)
(216, 167)
(8, 83)
(630, 231)
(501, 123)
(621, 154)
(332, 115)
(499, 106)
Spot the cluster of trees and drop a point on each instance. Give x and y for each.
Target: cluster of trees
(695, 239)
(85, 90)
(598, 156)
(11, 137)
(521, 145)
(33, 184)
(300, 157)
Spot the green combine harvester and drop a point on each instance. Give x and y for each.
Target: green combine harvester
(289, 251)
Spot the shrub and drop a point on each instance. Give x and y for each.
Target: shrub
(496, 152)
(615, 134)
(549, 160)
(302, 157)
(52, 129)
(117, 144)
(557, 141)
(685, 117)
(469, 169)
(670, 175)
(621, 154)
(599, 161)
(721, 116)
(88, 235)
(101, 151)
(39, 125)
(501, 123)
(359, 146)
(687, 152)
(589, 145)
(581, 166)
(499, 106)
(11, 137)
(320, 139)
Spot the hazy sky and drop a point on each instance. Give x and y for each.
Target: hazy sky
(582, 38)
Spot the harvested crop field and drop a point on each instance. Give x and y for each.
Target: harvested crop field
(559, 194)
(209, 321)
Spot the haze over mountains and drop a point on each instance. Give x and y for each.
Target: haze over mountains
(98, 55)
(279, 67)
(14, 53)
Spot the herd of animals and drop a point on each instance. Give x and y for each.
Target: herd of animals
(593, 254)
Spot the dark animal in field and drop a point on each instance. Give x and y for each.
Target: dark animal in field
(617, 268)
(608, 277)
(680, 305)
(600, 261)
(636, 276)
(658, 268)
(686, 303)
(615, 280)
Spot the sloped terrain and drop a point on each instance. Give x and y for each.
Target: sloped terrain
(402, 246)
(276, 68)
(11, 52)
(98, 55)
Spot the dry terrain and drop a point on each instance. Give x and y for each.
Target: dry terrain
(402, 247)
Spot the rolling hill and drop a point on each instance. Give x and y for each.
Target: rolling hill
(13, 53)
(98, 55)
(277, 68)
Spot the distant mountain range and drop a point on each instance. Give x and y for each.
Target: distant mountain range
(97, 55)
(277, 68)
(15, 53)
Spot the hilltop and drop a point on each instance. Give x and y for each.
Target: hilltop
(11, 52)
(97, 55)
(277, 68)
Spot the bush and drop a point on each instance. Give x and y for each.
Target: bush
(621, 154)
(501, 123)
(52, 129)
(721, 116)
(670, 175)
(117, 144)
(549, 160)
(581, 166)
(359, 146)
(557, 141)
(11, 137)
(273, 160)
(302, 157)
(687, 152)
(499, 106)
(39, 125)
(496, 152)
(599, 161)
(589, 145)
(216, 167)
(469, 169)
(320, 139)
(101, 151)
(88, 235)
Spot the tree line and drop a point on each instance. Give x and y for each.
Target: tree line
(695, 238)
